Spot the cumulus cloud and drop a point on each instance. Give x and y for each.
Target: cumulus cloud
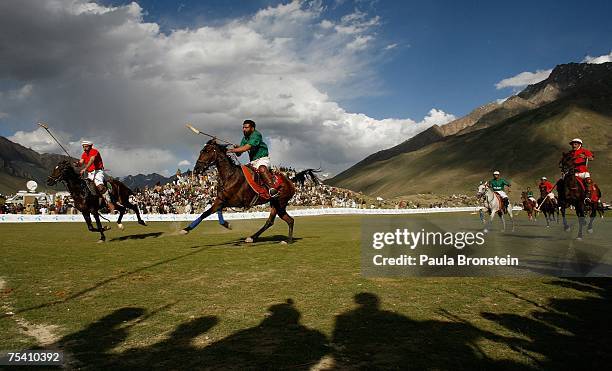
(102, 72)
(597, 60)
(523, 79)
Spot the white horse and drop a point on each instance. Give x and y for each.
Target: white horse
(493, 203)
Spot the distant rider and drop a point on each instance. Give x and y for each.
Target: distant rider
(546, 188)
(93, 165)
(498, 184)
(258, 154)
(530, 195)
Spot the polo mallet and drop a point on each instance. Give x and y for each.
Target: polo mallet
(46, 127)
(545, 197)
(198, 131)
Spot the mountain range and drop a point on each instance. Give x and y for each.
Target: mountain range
(522, 137)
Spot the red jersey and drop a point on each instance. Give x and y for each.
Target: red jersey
(579, 162)
(97, 163)
(547, 185)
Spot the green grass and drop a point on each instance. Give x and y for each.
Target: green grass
(206, 300)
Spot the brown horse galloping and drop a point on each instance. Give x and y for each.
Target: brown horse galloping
(529, 206)
(572, 193)
(88, 201)
(234, 191)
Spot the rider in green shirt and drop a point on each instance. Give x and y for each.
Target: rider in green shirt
(498, 184)
(258, 154)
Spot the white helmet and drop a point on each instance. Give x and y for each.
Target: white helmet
(496, 172)
(543, 178)
(576, 140)
(86, 143)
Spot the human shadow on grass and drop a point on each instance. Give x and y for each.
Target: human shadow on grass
(371, 338)
(141, 236)
(104, 282)
(565, 333)
(279, 341)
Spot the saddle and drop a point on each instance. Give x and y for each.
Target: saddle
(110, 185)
(256, 183)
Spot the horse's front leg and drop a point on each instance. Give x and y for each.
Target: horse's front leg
(489, 224)
(503, 222)
(563, 216)
(121, 212)
(100, 228)
(215, 206)
(87, 218)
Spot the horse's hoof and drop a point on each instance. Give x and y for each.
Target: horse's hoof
(283, 243)
(548, 226)
(485, 230)
(227, 225)
(248, 240)
(106, 228)
(101, 241)
(183, 231)
(579, 238)
(590, 230)
(567, 229)
(141, 222)
(120, 226)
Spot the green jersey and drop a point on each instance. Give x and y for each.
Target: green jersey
(529, 194)
(498, 184)
(258, 149)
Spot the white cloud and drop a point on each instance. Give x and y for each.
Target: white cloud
(184, 163)
(523, 79)
(106, 74)
(390, 46)
(597, 60)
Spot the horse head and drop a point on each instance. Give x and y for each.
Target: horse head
(62, 171)
(209, 155)
(482, 189)
(567, 163)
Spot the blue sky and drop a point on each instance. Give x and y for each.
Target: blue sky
(449, 54)
(328, 82)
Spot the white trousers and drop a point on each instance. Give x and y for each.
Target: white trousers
(583, 175)
(97, 176)
(265, 161)
(502, 194)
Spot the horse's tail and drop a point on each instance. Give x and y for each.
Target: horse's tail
(304, 175)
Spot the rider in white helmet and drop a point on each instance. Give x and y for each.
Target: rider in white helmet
(546, 187)
(91, 160)
(498, 184)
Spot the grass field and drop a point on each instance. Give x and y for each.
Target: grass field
(151, 299)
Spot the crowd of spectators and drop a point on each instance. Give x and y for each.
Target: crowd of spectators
(192, 194)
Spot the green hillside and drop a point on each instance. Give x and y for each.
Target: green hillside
(523, 148)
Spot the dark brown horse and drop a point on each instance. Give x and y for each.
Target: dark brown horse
(234, 191)
(548, 207)
(529, 206)
(88, 201)
(572, 193)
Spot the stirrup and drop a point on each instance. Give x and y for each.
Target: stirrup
(273, 192)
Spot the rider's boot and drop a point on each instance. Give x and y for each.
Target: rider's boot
(266, 175)
(109, 202)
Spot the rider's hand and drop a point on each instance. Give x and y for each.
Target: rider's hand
(82, 171)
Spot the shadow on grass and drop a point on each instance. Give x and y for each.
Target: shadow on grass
(259, 241)
(141, 236)
(557, 334)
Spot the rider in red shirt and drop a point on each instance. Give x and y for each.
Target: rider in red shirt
(581, 158)
(546, 190)
(93, 165)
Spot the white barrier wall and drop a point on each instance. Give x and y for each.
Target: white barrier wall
(20, 218)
